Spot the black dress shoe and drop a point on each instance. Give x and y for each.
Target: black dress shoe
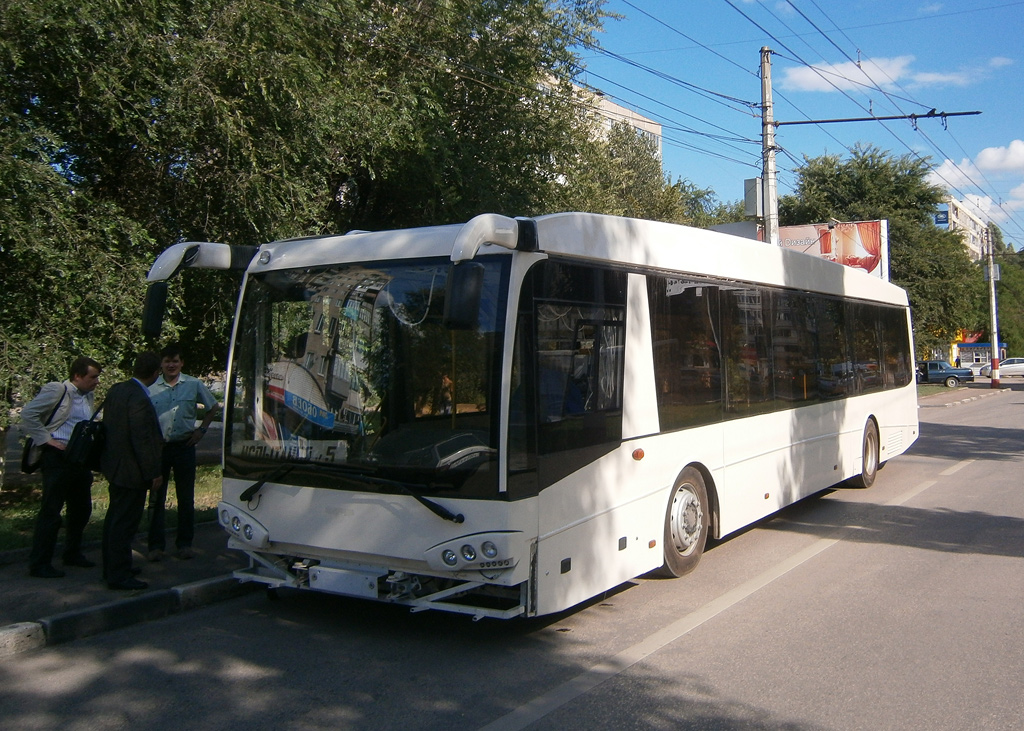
(79, 560)
(128, 584)
(46, 572)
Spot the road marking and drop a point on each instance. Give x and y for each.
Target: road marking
(542, 705)
(956, 468)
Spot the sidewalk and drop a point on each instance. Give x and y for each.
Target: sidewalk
(40, 612)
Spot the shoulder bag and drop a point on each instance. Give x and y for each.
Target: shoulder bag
(32, 453)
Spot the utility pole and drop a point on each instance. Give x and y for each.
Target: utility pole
(769, 176)
(993, 322)
(769, 190)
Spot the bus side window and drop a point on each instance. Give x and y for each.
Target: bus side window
(580, 321)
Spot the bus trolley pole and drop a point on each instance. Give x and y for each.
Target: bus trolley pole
(993, 322)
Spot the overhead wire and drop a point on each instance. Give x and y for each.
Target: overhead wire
(946, 158)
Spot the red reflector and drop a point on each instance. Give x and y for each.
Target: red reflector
(638, 454)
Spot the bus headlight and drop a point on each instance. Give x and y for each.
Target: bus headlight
(487, 552)
(242, 526)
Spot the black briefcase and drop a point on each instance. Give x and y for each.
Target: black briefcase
(85, 447)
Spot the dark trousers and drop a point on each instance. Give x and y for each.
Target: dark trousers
(127, 504)
(181, 460)
(63, 484)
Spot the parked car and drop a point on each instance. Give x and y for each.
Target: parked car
(1008, 367)
(939, 371)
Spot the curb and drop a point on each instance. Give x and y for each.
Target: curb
(79, 623)
(993, 392)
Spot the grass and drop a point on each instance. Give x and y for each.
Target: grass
(19, 507)
(930, 389)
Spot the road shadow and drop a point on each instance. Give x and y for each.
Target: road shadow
(933, 529)
(957, 442)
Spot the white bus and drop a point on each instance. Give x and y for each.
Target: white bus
(508, 417)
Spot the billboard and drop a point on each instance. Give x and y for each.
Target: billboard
(860, 244)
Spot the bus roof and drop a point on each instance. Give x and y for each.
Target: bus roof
(598, 238)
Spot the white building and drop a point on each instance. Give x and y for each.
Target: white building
(962, 218)
(608, 113)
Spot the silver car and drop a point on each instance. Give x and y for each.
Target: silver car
(1008, 367)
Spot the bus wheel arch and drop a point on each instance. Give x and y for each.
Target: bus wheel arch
(870, 455)
(689, 516)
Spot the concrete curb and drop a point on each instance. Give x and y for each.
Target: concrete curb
(79, 623)
(993, 392)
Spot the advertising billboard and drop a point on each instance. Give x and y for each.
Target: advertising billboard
(860, 244)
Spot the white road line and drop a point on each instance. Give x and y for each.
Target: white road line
(542, 705)
(956, 468)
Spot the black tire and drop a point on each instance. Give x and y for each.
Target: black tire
(952, 381)
(686, 525)
(869, 453)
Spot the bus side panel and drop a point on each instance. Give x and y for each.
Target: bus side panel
(599, 552)
(618, 500)
(787, 455)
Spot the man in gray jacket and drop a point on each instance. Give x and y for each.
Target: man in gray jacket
(49, 419)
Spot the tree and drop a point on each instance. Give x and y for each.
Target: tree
(620, 173)
(1009, 293)
(130, 126)
(127, 127)
(944, 287)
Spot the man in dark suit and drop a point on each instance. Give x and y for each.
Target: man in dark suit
(131, 463)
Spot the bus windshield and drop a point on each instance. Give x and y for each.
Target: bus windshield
(346, 376)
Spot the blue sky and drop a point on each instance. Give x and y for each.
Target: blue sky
(692, 65)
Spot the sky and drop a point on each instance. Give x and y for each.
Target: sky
(693, 66)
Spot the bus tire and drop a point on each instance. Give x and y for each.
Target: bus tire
(869, 453)
(686, 524)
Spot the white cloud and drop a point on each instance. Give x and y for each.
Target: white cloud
(951, 175)
(846, 76)
(887, 73)
(930, 9)
(1002, 159)
(979, 205)
(1000, 61)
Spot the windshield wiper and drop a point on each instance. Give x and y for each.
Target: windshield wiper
(250, 492)
(435, 508)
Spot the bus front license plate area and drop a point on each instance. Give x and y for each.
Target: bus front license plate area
(345, 581)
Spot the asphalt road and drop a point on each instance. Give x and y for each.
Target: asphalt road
(897, 607)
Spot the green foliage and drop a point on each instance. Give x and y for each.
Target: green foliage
(944, 286)
(130, 126)
(1009, 295)
(620, 174)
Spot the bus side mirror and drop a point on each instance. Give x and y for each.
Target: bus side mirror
(153, 311)
(462, 297)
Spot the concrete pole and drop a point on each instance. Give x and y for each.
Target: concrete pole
(769, 190)
(993, 322)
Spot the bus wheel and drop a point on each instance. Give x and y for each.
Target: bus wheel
(869, 451)
(686, 524)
